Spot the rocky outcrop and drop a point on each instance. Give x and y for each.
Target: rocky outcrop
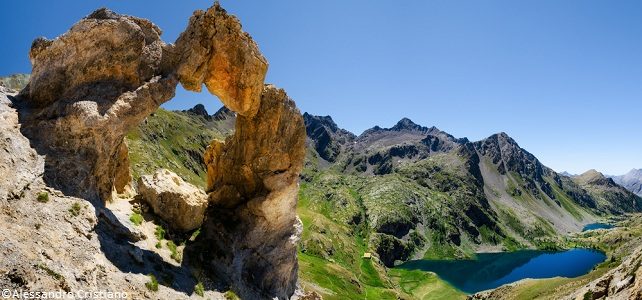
(215, 51)
(253, 185)
(82, 99)
(199, 110)
(327, 138)
(251, 234)
(93, 84)
(180, 204)
(19, 164)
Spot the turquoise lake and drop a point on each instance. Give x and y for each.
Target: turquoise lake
(597, 226)
(491, 270)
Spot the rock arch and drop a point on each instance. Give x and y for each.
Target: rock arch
(93, 84)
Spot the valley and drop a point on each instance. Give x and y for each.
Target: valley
(111, 187)
(407, 193)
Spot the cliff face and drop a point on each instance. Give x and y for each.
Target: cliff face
(82, 99)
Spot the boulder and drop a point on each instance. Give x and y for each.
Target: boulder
(180, 204)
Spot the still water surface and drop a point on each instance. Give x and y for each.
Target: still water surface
(597, 226)
(491, 270)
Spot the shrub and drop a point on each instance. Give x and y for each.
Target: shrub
(175, 254)
(158, 245)
(229, 295)
(43, 197)
(50, 272)
(136, 218)
(152, 285)
(75, 209)
(160, 233)
(199, 289)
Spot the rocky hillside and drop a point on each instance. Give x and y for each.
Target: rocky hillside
(177, 141)
(73, 221)
(632, 181)
(411, 191)
(608, 195)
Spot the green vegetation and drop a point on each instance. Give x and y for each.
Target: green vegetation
(436, 207)
(152, 284)
(75, 209)
(159, 233)
(194, 235)
(229, 295)
(423, 285)
(43, 197)
(173, 141)
(177, 256)
(50, 272)
(136, 218)
(199, 289)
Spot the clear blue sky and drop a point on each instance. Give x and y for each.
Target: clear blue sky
(564, 78)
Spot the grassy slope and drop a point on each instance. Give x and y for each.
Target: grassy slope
(331, 251)
(173, 141)
(343, 215)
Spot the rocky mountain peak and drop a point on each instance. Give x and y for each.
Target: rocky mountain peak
(199, 110)
(325, 121)
(327, 137)
(634, 173)
(223, 113)
(593, 177)
(407, 124)
(632, 181)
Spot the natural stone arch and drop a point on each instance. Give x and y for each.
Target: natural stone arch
(99, 80)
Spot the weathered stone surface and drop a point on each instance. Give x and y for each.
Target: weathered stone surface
(622, 282)
(19, 163)
(266, 151)
(180, 204)
(83, 98)
(215, 51)
(99, 80)
(253, 184)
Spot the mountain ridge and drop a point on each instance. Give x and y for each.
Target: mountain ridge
(418, 192)
(631, 181)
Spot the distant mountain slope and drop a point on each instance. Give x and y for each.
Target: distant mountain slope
(15, 81)
(632, 181)
(411, 191)
(496, 187)
(403, 192)
(176, 141)
(609, 196)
